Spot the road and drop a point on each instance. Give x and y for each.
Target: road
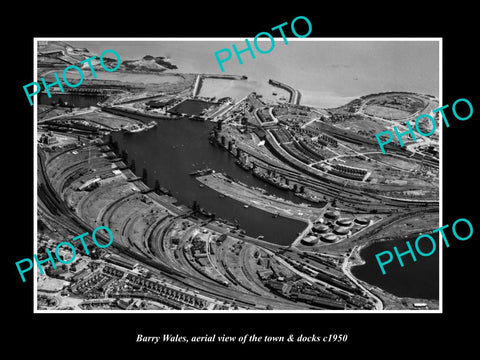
(70, 114)
(346, 268)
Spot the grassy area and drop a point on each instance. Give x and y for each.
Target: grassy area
(366, 126)
(395, 106)
(386, 112)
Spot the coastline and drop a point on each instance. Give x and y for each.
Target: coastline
(390, 301)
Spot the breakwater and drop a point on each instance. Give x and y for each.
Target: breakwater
(200, 77)
(295, 95)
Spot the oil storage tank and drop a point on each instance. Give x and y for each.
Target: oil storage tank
(340, 230)
(320, 228)
(332, 215)
(362, 221)
(329, 238)
(309, 240)
(344, 222)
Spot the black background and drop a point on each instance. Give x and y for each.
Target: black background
(372, 334)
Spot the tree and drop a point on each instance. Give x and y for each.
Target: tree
(144, 175)
(132, 166)
(157, 186)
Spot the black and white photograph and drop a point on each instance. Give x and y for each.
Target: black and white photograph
(260, 188)
(293, 178)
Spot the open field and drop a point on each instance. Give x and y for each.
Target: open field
(386, 112)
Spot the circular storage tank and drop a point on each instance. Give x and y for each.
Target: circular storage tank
(344, 222)
(320, 228)
(361, 221)
(309, 240)
(333, 215)
(340, 230)
(329, 238)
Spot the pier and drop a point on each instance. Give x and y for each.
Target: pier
(295, 95)
(198, 85)
(145, 118)
(259, 199)
(200, 77)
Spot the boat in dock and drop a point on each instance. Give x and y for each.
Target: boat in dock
(243, 165)
(151, 124)
(133, 129)
(271, 180)
(311, 198)
(165, 191)
(201, 172)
